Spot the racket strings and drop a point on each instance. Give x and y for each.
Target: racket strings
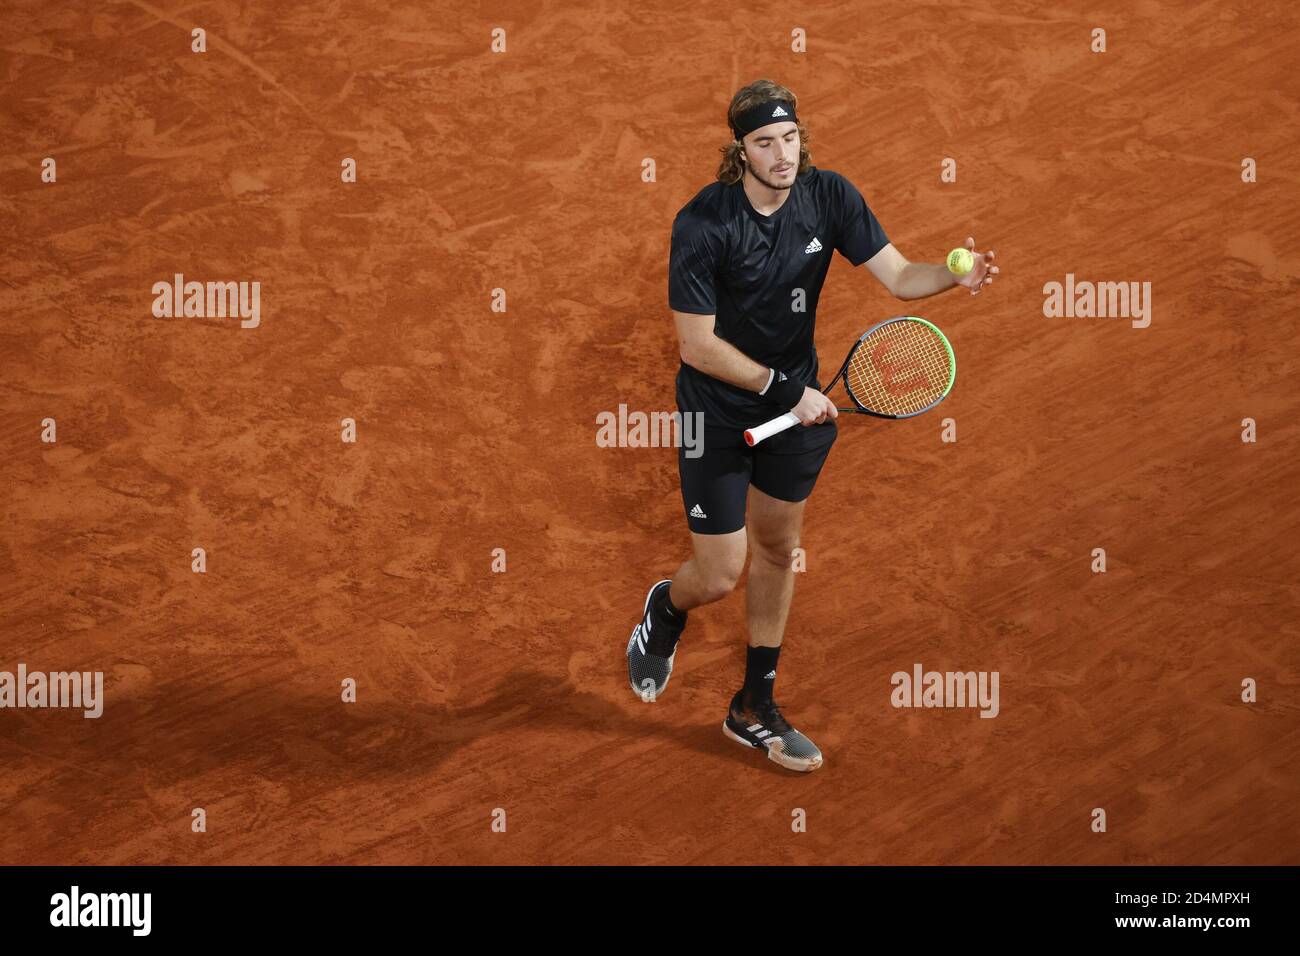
(900, 369)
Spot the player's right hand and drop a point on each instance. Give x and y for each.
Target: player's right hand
(814, 408)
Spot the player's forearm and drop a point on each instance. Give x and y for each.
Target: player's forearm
(720, 359)
(917, 280)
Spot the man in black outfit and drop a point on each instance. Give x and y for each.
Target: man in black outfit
(749, 255)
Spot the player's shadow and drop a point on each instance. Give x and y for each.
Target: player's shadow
(186, 728)
(612, 706)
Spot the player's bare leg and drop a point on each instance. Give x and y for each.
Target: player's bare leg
(710, 574)
(773, 527)
(753, 719)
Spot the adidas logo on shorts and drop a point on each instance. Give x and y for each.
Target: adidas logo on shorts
(771, 675)
(779, 112)
(813, 246)
(698, 512)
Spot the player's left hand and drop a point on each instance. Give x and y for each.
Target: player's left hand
(981, 273)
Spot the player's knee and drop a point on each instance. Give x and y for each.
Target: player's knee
(779, 553)
(721, 581)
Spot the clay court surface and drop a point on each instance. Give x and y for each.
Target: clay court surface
(476, 430)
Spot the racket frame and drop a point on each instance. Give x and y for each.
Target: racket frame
(761, 432)
(848, 359)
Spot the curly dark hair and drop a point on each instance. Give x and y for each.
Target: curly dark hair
(732, 167)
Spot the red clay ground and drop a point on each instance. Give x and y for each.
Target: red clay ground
(477, 431)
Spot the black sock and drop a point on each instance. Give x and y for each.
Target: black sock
(666, 623)
(760, 674)
(665, 612)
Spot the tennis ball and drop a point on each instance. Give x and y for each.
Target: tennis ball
(960, 262)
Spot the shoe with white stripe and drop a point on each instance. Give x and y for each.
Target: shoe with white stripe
(763, 726)
(651, 649)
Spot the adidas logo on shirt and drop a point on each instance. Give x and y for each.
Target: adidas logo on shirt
(779, 112)
(698, 512)
(812, 247)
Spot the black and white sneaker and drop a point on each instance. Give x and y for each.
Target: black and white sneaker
(651, 649)
(763, 726)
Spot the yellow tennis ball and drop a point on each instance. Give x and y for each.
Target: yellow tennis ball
(960, 262)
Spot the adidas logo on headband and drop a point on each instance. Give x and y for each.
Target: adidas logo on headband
(763, 114)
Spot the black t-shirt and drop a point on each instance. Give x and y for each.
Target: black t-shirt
(731, 261)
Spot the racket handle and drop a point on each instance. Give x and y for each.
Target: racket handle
(766, 430)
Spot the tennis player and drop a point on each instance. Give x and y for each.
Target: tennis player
(749, 255)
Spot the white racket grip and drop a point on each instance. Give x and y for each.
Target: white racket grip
(766, 430)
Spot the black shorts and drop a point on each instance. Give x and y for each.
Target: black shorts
(715, 485)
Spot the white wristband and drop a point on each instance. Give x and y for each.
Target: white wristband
(771, 377)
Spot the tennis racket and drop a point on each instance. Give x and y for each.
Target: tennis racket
(898, 369)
